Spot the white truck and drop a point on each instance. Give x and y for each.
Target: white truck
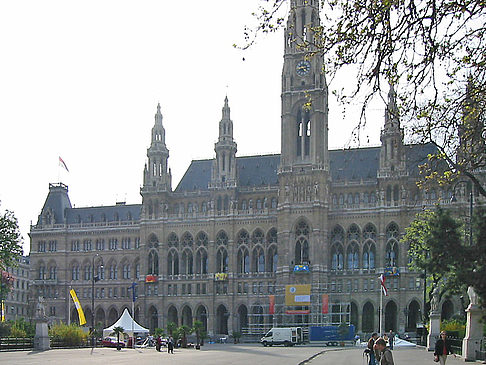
(287, 336)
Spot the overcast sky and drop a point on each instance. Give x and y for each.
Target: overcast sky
(81, 80)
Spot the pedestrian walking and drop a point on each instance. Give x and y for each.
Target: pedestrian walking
(391, 339)
(386, 356)
(170, 345)
(158, 345)
(442, 349)
(371, 348)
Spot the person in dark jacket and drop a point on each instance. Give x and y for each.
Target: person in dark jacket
(371, 347)
(386, 356)
(391, 339)
(443, 348)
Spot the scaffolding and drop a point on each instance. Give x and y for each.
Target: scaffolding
(261, 321)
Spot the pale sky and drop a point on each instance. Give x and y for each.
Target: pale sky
(81, 80)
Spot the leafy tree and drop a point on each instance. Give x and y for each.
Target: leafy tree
(432, 237)
(183, 331)
(431, 51)
(198, 328)
(437, 247)
(118, 330)
(171, 327)
(10, 240)
(159, 332)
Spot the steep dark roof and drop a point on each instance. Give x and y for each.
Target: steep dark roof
(252, 171)
(354, 164)
(112, 213)
(57, 201)
(345, 165)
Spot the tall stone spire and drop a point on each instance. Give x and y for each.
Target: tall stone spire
(392, 159)
(223, 171)
(156, 172)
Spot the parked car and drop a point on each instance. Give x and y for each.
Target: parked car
(112, 342)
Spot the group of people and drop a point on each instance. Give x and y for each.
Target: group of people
(170, 344)
(379, 349)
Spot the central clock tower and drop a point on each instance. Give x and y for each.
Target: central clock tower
(304, 92)
(304, 164)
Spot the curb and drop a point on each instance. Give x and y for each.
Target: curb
(308, 360)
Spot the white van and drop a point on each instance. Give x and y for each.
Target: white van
(287, 336)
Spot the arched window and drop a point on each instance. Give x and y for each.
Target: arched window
(353, 256)
(219, 204)
(187, 262)
(274, 203)
(258, 259)
(272, 236)
(301, 251)
(243, 238)
(202, 239)
(334, 200)
(243, 205)
(369, 255)
(372, 198)
(259, 204)
(337, 257)
(354, 233)
(221, 238)
(222, 260)
(201, 261)
(396, 193)
(272, 259)
(303, 132)
(350, 199)
(366, 197)
(356, 198)
(243, 261)
(173, 240)
(302, 233)
(153, 263)
(391, 251)
(388, 193)
(187, 240)
(257, 237)
(341, 199)
(173, 263)
(369, 232)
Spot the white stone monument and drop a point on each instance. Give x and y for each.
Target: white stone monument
(41, 338)
(474, 329)
(434, 329)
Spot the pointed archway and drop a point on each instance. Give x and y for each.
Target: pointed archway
(222, 320)
(390, 316)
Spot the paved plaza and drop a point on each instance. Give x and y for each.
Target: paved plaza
(244, 354)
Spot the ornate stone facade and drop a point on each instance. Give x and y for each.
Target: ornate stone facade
(223, 245)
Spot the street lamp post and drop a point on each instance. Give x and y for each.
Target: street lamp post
(93, 280)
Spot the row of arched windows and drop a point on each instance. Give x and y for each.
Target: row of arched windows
(256, 253)
(111, 271)
(222, 203)
(352, 249)
(354, 199)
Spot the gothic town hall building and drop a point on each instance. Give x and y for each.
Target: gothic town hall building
(223, 245)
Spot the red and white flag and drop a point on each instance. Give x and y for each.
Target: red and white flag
(63, 164)
(382, 279)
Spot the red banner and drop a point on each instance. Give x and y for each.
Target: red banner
(325, 304)
(151, 279)
(271, 309)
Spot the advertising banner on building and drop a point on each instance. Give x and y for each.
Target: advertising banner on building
(325, 304)
(271, 308)
(297, 295)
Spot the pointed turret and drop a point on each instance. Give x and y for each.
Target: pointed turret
(392, 154)
(224, 166)
(156, 172)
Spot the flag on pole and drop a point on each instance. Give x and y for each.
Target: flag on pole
(77, 304)
(63, 164)
(2, 311)
(383, 287)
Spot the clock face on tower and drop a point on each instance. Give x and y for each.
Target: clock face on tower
(303, 68)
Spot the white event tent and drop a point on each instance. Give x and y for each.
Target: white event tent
(126, 321)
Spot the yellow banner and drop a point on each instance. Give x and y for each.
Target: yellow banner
(77, 304)
(2, 311)
(297, 295)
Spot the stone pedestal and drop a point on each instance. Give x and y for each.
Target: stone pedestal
(434, 330)
(41, 338)
(474, 331)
